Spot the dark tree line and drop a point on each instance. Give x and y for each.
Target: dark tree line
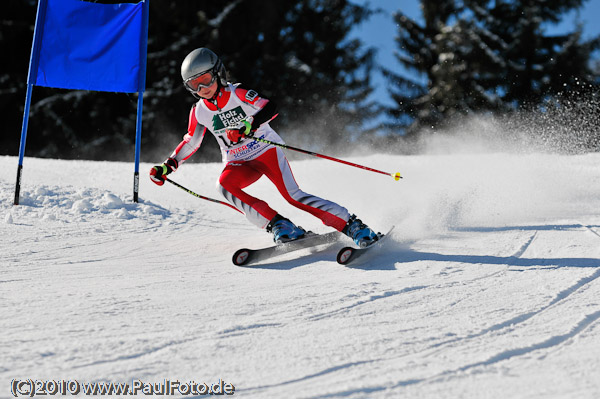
(298, 53)
(475, 56)
(488, 56)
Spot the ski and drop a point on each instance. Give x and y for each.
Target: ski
(247, 256)
(350, 254)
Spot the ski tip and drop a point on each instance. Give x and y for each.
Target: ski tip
(241, 257)
(344, 255)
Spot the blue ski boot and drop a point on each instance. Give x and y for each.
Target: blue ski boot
(362, 235)
(283, 230)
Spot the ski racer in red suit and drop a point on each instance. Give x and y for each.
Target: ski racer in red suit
(233, 114)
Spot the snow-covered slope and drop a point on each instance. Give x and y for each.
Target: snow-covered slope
(490, 286)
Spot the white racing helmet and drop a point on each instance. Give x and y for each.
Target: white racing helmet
(199, 62)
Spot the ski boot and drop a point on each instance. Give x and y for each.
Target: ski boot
(362, 235)
(284, 230)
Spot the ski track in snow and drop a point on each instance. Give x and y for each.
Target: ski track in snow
(489, 286)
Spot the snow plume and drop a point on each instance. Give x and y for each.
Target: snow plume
(482, 171)
(500, 170)
(568, 124)
(442, 193)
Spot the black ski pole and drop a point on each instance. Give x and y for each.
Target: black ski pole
(202, 196)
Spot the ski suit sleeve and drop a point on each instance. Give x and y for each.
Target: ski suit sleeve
(267, 109)
(191, 141)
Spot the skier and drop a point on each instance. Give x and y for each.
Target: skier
(233, 114)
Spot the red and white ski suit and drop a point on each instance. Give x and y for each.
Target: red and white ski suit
(246, 161)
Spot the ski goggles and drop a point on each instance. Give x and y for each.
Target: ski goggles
(202, 80)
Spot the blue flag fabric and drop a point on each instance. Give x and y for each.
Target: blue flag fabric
(90, 46)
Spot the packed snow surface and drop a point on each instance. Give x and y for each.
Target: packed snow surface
(488, 288)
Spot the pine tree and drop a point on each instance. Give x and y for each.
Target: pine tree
(486, 56)
(418, 55)
(539, 65)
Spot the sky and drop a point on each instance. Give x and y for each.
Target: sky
(380, 30)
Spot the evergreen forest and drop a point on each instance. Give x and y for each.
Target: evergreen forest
(486, 58)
